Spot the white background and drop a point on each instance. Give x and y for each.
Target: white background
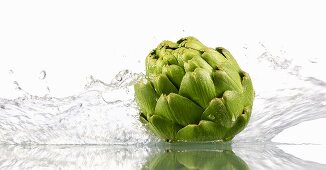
(72, 40)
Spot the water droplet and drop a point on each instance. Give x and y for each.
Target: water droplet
(282, 51)
(42, 75)
(91, 78)
(121, 75)
(118, 78)
(295, 70)
(17, 85)
(262, 44)
(313, 60)
(212, 117)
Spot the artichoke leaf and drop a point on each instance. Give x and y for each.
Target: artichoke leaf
(223, 82)
(184, 54)
(191, 42)
(175, 73)
(217, 112)
(164, 128)
(198, 86)
(197, 62)
(184, 110)
(169, 58)
(204, 131)
(150, 65)
(166, 54)
(162, 108)
(239, 124)
(145, 97)
(232, 73)
(190, 66)
(234, 103)
(166, 45)
(163, 85)
(229, 56)
(213, 58)
(248, 92)
(159, 64)
(143, 119)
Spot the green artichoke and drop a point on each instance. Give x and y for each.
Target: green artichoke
(194, 93)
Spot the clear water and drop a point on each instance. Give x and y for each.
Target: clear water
(99, 127)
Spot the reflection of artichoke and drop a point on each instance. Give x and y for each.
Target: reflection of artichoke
(213, 159)
(194, 93)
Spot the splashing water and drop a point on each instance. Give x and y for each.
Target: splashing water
(105, 113)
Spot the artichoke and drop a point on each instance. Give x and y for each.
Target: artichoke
(194, 93)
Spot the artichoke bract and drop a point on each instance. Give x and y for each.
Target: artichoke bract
(194, 93)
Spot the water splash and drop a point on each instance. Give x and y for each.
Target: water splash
(105, 113)
(270, 156)
(274, 114)
(72, 157)
(285, 97)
